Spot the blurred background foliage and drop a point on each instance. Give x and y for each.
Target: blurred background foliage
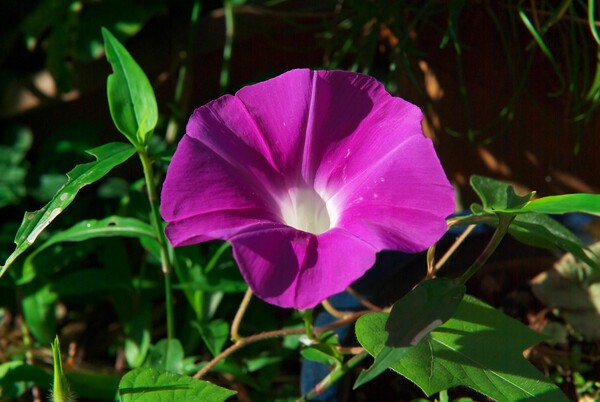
(509, 89)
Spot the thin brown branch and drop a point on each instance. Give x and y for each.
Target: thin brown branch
(274, 334)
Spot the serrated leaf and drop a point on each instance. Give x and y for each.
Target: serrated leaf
(412, 317)
(131, 99)
(166, 355)
(479, 348)
(107, 157)
(497, 195)
(152, 385)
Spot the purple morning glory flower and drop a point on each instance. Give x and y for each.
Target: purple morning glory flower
(308, 175)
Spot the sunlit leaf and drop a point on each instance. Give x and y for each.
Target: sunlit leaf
(562, 204)
(497, 195)
(152, 385)
(108, 156)
(479, 348)
(130, 96)
(60, 386)
(412, 318)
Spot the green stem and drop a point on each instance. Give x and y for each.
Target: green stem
(181, 87)
(307, 316)
(333, 377)
(160, 236)
(215, 258)
(504, 222)
(228, 46)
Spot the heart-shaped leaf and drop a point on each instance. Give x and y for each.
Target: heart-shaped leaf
(479, 348)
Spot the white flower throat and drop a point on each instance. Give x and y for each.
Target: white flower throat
(304, 209)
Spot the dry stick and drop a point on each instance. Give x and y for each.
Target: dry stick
(235, 325)
(332, 310)
(350, 350)
(274, 334)
(362, 300)
(453, 248)
(430, 262)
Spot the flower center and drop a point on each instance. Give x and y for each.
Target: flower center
(305, 210)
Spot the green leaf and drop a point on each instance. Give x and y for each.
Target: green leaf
(60, 386)
(152, 385)
(412, 317)
(562, 204)
(17, 371)
(38, 306)
(214, 334)
(108, 227)
(107, 157)
(112, 226)
(497, 195)
(542, 231)
(323, 353)
(479, 348)
(13, 168)
(536, 230)
(130, 96)
(137, 343)
(166, 355)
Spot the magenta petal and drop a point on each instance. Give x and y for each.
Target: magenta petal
(204, 197)
(280, 108)
(296, 269)
(399, 202)
(308, 174)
